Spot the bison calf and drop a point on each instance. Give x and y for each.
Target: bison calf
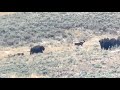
(37, 49)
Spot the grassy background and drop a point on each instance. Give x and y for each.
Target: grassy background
(58, 31)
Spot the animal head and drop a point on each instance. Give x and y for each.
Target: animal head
(101, 40)
(82, 41)
(42, 48)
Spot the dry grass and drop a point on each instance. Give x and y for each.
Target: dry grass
(38, 76)
(6, 52)
(86, 59)
(6, 13)
(62, 59)
(33, 75)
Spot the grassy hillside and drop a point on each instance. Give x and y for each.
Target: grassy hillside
(30, 27)
(58, 31)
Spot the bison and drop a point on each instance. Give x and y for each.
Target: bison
(104, 43)
(113, 42)
(118, 41)
(101, 43)
(80, 43)
(37, 49)
(107, 43)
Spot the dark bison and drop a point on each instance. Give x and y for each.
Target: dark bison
(112, 42)
(118, 41)
(107, 43)
(80, 43)
(104, 43)
(37, 49)
(101, 43)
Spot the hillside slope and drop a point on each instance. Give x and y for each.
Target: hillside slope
(58, 31)
(27, 27)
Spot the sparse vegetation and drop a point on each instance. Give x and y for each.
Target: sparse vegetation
(58, 32)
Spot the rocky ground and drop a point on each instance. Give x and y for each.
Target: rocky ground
(58, 32)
